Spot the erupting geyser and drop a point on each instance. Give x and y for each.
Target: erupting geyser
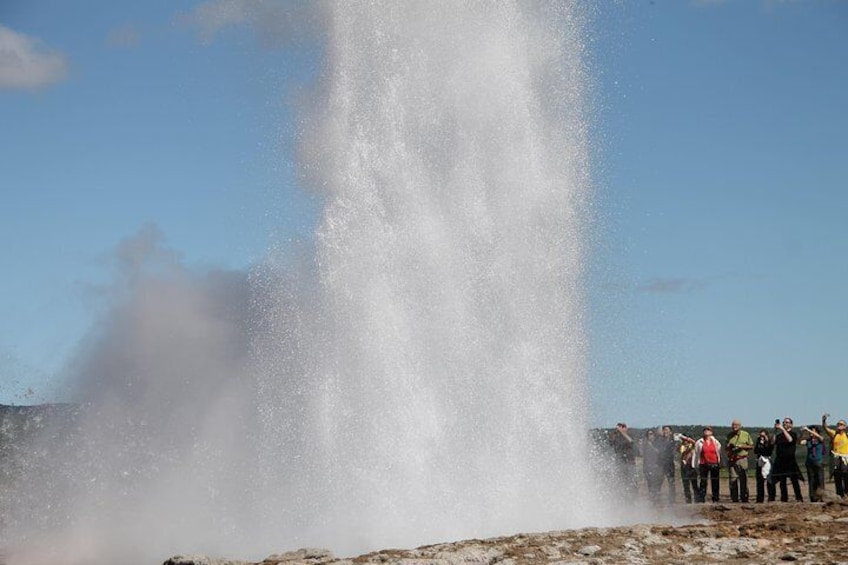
(448, 391)
(423, 378)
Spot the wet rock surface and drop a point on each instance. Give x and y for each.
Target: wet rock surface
(720, 533)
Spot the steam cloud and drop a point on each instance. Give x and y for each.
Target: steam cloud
(166, 417)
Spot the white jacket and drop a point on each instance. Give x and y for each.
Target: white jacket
(699, 446)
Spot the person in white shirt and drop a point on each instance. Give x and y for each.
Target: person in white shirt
(707, 460)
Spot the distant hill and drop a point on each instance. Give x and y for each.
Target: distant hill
(19, 424)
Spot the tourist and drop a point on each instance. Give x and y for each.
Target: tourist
(814, 462)
(785, 441)
(839, 450)
(738, 443)
(650, 448)
(763, 450)
(624, 450)
(707, 460)
(688, 472)
(668, 457)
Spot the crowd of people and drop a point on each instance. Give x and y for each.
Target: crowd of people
(772, 454)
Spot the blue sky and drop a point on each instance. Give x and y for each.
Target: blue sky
(146, 123)
(724, 198)
(721, 244)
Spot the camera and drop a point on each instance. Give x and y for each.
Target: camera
(777, 421)
(677, 437)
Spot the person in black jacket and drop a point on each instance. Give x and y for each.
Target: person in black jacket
(668, 461)
(763, 450)
(785, 442)
(624, 451)
(651, 449)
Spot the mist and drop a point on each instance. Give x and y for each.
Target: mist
(419, 376)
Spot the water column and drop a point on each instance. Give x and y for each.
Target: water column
(450, 143)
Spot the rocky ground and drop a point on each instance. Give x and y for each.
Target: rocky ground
(740, 533)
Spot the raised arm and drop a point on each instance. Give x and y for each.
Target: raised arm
(786, 435)
(622, 429)
(814, 433)
(827, 430)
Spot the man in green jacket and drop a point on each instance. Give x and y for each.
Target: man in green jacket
(738, 444)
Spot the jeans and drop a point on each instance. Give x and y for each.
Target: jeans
(689, 478)
(627, 479)
(762, 486)
(653, 478)
(668, 475)
(840, 478)
(815, 480)
(796, 486)
(705, 471)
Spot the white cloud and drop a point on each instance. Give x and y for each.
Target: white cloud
(767, 4)
(672, 285)
(211, 17)
(276, 23)
(26, 63)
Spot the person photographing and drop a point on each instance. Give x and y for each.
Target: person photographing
(814, 462)
(785, 441)
(763, 449)
(839, 449)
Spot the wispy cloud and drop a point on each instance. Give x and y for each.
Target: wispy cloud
(767, 4)
(124, 37)
(26, 63)
(276, 23)
(671, 285)
(211, 17)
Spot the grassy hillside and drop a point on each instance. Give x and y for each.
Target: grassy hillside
(20, 424)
